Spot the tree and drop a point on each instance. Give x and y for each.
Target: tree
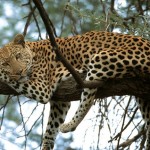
(130, 17)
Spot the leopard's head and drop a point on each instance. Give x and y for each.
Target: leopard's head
(16, 58)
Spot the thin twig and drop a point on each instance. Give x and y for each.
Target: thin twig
(131, 119)
(36, 22)
(129, 141)
(3, 107)
(28, 21)
(24, 127)
(123, 122)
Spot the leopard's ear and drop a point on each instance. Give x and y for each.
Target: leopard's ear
(19, 39)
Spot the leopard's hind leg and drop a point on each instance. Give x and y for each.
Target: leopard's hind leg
(87, 100)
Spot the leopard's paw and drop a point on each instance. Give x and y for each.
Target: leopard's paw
(67, 127)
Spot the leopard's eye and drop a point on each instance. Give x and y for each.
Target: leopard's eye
(5, 64)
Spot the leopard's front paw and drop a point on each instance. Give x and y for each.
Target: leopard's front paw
(48, 144)
(67, 127)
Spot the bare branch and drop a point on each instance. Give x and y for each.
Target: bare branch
(130, 141)
(124, 117)
(23, 123)
(48, 27)
(3, 107)
(28, 21)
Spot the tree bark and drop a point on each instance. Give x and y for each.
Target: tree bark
(69, 91)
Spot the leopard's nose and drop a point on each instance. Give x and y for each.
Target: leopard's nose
(29, 72)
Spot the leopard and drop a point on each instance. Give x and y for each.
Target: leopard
(101, 55)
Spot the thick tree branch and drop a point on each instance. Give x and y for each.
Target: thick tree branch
(139, 87)
(68, 91)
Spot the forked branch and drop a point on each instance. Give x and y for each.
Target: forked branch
(59, 55)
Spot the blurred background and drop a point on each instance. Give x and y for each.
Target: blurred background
(112, 123)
